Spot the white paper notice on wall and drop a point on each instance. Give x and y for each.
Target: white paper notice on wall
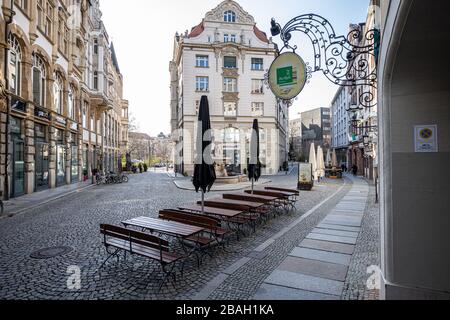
(426, 138)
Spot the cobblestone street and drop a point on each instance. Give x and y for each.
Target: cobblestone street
(74, 221)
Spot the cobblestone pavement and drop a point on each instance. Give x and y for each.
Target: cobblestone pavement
(367, 254)
(74, 221)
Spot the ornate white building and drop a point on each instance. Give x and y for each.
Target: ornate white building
(226, 57)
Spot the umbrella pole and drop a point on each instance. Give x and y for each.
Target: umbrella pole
(253, 185)
(203, 202)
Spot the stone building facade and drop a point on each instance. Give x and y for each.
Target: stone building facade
(340, 127)
(62, 114)
(226, 58)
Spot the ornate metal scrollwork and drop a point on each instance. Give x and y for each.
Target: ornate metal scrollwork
(341, 59)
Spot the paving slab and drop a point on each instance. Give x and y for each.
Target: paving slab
(315, 268)
(326, 237)
(338, 218)
(341, 222)
(342, 233)
(337, 227)
(320, 255)
(328, 246)
(273, 292)
(305, 282)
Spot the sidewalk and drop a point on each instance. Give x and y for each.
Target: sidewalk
(317, 269)
(18, 205)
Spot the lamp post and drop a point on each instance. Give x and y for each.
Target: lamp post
(8, 13)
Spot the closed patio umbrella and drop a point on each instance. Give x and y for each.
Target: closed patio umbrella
(204, 173)
(334, 163)
(328, 159)
(313, 160)
(320, 163)
(254, 165)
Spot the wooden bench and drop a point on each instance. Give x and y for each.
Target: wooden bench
(247, 217)
(215, 234)
(142, 244)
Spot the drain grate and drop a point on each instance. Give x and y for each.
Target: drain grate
(49, 253)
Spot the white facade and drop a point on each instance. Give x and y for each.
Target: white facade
(340, 119)
(226, 57)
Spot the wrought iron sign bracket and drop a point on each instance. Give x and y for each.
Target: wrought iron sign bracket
(341, 61)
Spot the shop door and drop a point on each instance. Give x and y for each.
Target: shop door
(42, 160)
(61, 166)
(18, 168)
(74, 164)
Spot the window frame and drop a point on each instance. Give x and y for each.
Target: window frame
(229, 84)
(229, 16)
(199, 58)
(254, 64)
(260, 106)
(235, 62)
(232, 113)
(259, 88)
(16, 76)
(202, 84)
(39, 65)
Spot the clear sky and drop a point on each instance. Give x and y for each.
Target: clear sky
(143, 31)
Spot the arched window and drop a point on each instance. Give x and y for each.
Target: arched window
(229, 16)
(58, 93)
(15, 59)
(71, 103)
(38, 80)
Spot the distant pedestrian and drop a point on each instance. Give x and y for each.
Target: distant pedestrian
(343, 167)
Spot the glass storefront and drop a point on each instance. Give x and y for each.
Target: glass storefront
(60, 159)
(18, 158)
(85, 162)
(74, 165)
(42, 157)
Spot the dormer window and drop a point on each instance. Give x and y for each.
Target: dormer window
(229, 16)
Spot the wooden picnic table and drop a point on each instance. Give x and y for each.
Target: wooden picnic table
(219, 201)
(223, 213)
(270, 188)
(249, 197)
(170, 228)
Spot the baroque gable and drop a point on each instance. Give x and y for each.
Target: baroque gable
(217, 14)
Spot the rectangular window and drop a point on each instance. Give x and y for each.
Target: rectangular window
(225, 38)
(229, 62)
(257, 86)
(230, 109)
(229, 85)
(202, 84)
(233, 38)
(257, 109)
(257, 64)
(202, 61)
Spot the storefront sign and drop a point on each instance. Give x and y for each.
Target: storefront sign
(305, 176)
(60, 120)
(426, 138)
(287, 76)
(74, 126)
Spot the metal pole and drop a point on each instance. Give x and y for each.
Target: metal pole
(253, 185)
(203, 202)
(8, 111)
